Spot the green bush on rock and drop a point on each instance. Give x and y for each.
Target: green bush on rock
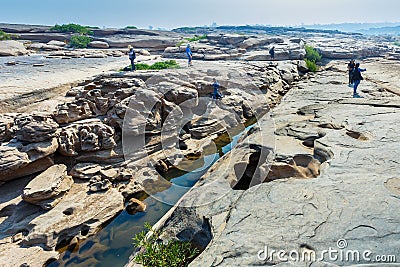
(72, 28)
(79, 41)
(168, 64)
(312, 54)
(155, 253)
(312, 57)
(311, 65)
(4, 36)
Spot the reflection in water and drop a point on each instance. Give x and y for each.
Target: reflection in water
(112, 246)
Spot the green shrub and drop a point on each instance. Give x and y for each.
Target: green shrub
(4, 36)
(311, 65)
(72, 28)
(397, 43)
(192, 39)
(180, 43)
(130, 27)
(312, 54)
(197, 38)
(168, 64)
(174, 253)
(79, 41)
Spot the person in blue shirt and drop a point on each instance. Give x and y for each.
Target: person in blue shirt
(189, 55)
(216, 94)
(357, 78)
(132, 57)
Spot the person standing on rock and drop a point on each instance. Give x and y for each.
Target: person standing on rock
(216, 94)
(132, 56)
(350, 68)
(357, 78)
(189, 55)
(272, 52)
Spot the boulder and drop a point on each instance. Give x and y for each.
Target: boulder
(6, 124)
(12, 48)
(46, 47)
(134, 206)
(18, 159)
(144, 52)
(70, 112)
(302, 66)
(56, 43)
(47, 189)
(85, 171)
(35, 128)
(85, 136)
(99, 44)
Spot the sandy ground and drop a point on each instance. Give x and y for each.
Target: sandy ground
(22, 85)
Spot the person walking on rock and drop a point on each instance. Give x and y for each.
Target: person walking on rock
(350, 68)
(272, 52)
(357, 78)
(216, 94)
(132, 57)
(189, 55)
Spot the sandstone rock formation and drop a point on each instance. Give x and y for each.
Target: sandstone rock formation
(12, 48)
(290, 213)
(47, 189)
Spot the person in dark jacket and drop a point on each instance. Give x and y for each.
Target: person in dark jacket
(350, 68)
(189, 55)
(216, 94)
(132, 56)
(272, 52)
(356, 75)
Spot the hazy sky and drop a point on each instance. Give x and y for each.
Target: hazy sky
(176, 13)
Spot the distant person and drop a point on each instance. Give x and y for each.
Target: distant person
(132, 56)
(216, 94)
(350, 68)
(189, 55)
(356, 75)
(272, 52)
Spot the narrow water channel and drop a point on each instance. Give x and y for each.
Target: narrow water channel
(112, 246)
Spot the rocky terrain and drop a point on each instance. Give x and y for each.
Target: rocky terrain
(76, 152)
(333, 178)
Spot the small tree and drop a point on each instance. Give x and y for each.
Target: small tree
(312, 54)
(312, 57)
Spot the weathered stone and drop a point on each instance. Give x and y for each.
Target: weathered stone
(135, 206)
(57, 43)
(51, 184)
(70, 112)
(99, 44)
(85, 136)
(85, 171)
(12, 48)
(6, 124)
(17, 159)
(35, 128)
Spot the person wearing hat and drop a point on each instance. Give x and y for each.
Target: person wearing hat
(189, 55)
(132, 57)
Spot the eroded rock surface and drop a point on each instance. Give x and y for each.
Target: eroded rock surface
(341, 198)
(47, 189)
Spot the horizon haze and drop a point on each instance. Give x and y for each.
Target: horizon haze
(179, 13)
